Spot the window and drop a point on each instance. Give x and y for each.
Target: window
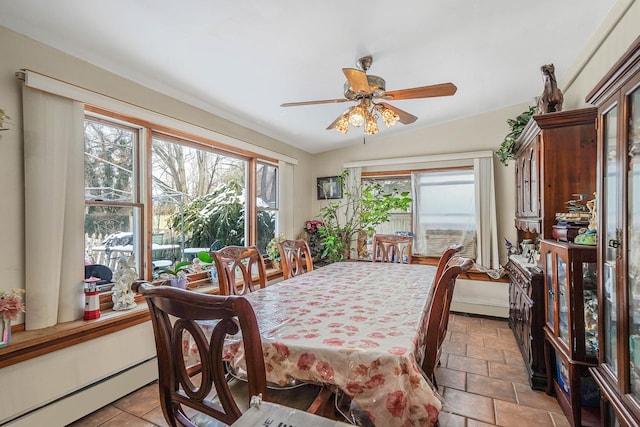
(113, 212)
(198, 200)
(196, 197)
(443, 211)
(266, 203)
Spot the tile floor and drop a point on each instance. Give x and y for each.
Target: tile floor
(482, 378)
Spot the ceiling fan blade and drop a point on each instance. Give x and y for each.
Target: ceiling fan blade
(443, 89)
(357, 79)
(405, 118)
(324, 101)
(333, 124)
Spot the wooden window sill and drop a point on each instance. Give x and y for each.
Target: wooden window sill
(27, 345)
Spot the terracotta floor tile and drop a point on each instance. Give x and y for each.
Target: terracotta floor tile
(459, 348)
(470, 405)
(98, 417)
(560, 420)
(492, 387)
(475, 423)
(482, 330)
(484, 353)
(509, 415)
(126, 420)
(466, 320)
(536, 399)
(476, 340)
(451, 420)
(457, 327)
(494, 323)
(514, 357)
(508, 372)
(502, 343)
(140, 402)
(156, 417)
(450, 378)
(466, 364)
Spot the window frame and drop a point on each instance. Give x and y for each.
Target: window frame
(147, 131)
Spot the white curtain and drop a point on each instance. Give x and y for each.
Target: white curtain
(486, 221)
(54, 209)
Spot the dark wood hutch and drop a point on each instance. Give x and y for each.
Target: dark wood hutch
(555, 159)
(617, 97)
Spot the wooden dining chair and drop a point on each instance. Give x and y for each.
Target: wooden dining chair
(193, 395)
(391, 248)
(444, 259)
(295, 257)
(236, 267)
(437, 316)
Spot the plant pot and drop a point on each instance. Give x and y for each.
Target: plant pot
(5, 332)
(275, 264)
(179, 283)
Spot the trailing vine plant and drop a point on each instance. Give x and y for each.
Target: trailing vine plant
(517, 125)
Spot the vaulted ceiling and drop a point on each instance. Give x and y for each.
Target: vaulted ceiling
(242, 59)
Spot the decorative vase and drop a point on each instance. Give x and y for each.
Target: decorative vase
(275, 264)
(5, 331)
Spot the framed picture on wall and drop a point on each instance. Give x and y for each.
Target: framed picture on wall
(329, 187)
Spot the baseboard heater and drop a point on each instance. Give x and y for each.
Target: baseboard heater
(84, 401)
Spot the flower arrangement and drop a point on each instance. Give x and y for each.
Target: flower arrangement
(312, 225)
(11, 304)
(272, 247)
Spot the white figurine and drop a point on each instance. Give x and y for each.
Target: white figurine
(123, 297)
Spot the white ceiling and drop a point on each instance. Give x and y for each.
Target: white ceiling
(242, 59)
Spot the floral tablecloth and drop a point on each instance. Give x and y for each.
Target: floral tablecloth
(357, 325)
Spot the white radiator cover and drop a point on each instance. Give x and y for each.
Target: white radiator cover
(481, 297)
(58, 388)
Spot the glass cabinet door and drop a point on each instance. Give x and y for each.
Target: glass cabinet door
(550, 291)
(590, 305)
(563, 303)
(611, 237)
(633, 240)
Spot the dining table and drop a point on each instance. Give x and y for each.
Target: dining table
(359, 326)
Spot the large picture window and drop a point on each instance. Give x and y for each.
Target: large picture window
(442, 213)
(184, 197)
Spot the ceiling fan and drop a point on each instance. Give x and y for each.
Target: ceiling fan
(369, 93)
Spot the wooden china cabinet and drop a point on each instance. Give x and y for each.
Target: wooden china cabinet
(571, 332)
(617, 97)
(555, 159)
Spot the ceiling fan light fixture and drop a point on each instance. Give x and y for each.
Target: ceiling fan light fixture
(390, 118)
(371, 125)
(342, 125)
(357, 116)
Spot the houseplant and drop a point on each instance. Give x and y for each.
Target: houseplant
(517, 125)
(272, 250)
(362, 208)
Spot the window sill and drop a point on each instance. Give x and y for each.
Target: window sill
(27, 345)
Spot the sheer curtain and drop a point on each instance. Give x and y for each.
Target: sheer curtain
(486, 221)
(54, 208)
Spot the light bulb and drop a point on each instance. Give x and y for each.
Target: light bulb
(356, 118)
(390, 118)
(342, 125)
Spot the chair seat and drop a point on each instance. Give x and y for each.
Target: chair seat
(300, 397)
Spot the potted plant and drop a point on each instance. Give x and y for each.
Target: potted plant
(362, 208)
(177, 275)
(517, 125)
(272, 250)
